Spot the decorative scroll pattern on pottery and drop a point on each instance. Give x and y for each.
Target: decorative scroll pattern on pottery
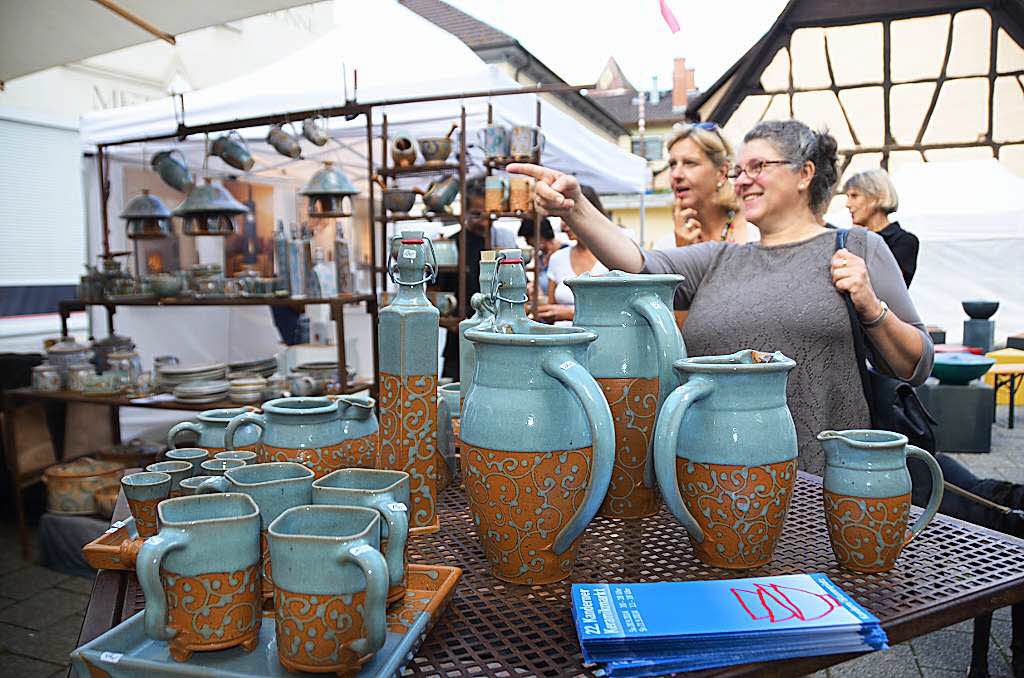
(867, 535)
(214, 609)
(313, 631)
(634, 406)
(408, 439)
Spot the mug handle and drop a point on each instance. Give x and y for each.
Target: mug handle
(936, 496)
(396, 515)
(375, 569)
(539, 146)
(254, 418)
(147, 569)
(212, 485)
(183, 426)
(602, 434)
(666, 433)
(669, 346)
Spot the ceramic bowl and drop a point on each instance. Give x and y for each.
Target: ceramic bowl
(435, 149)
(399, 199)
(960, 368)
(980, 309)
(164, 284)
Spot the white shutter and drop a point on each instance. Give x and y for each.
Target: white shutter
(42, 219)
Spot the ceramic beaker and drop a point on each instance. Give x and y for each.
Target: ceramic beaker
(143, 492)
(177, 470)
(725, 455)
(193, 455)
(637, 343)
(866, 491)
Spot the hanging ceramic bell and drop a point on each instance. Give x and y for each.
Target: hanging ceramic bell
(327, 190)
(407, 342)
(284, 143)
(147, 217)
(209, 210)
(232, 149)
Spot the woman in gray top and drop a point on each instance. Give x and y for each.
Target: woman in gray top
(783, 292)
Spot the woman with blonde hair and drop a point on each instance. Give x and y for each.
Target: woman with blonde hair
(871, 197)
(705, 209)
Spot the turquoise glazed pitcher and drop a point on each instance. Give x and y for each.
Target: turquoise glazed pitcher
(637, 342)
(725, 455)
(407, 339)
(483, 311)
(303, 430)
(361, 445)
(210, 428)
(866, 490)
(538, 444)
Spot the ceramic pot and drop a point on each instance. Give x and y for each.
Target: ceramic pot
(407, 336)
(538, 445)
(332, 584)
(435, 149)
(399, 200)
(275, 487)
(725, 455)
(232, 149)
(71, 486)
(494, 141)
(866, 491)
(441, 193)
(200, 574)
(304, 430)
(637, 343)
(403, 152)
(47, 377)
(210, 428)
(360, 431)
(173, 169)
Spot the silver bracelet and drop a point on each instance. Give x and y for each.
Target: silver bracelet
(881, 316)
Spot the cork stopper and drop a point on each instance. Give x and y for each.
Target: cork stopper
(487, 255)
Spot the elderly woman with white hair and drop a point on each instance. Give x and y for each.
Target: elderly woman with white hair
(871, 198)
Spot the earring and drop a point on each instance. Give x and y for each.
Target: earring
(802, 187)
(719, 185)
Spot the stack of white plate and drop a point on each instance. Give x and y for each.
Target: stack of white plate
(168, 377)
(324, 370)
(198, 392)
(246, 390)
(264, 367)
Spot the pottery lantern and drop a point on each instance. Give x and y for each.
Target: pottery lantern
(147, 217)
(326, 191)
(209, 210)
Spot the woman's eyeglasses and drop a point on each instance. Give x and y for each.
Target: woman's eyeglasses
(753, 168)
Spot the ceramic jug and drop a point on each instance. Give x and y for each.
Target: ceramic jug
(483, 311)
(725, 455)
(210, 428)
(637, 343)
(538, 445)
(200, 574)
(173, 169)
(361, 444)
(407, 339)
(284, 143)
(304, 430)
(866, 491)
(314, 132)
(403, 151)
(275, 487)
(232, 149)
(441, 193)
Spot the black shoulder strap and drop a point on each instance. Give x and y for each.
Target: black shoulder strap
(859, 346)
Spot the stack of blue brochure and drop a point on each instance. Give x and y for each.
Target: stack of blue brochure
(651, 629)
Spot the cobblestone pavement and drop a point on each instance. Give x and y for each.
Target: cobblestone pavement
(41, 610)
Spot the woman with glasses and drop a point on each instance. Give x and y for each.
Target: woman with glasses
(706, 208)
(783, 292)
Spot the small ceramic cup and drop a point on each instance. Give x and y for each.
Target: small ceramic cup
(144, 491)
(217, 467)
(190, 486)
(519, 194)
(495, 194)
(388, 493)
(178, 470)
(244, 456)
(331, 587)
(193, 455)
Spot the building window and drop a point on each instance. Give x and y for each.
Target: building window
(650, 148)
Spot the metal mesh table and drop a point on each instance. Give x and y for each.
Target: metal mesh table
(953, 571)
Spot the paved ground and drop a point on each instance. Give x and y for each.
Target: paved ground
(41, 611)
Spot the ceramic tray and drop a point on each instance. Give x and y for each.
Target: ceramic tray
(126, 652)
(105, 552)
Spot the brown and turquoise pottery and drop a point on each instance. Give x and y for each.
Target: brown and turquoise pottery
(173, 169)
(403, 152)
(218, 467)
(482, 311)
(435, 149)
(388, 493)
(448, 408)
(144, 491)
(407, 340)
(190, 486)
(637, 343)
(725, 455)
(538, 441)
(494, 141)
(304, 430)
(332, 585)
(244, 456)
(232, 149)
(210, 427)
(177, 470)
(866, 491)
(201, 574)
(360, 446)
(275, 487)
(193, 455)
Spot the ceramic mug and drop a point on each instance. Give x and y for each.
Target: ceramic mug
(144, 491)
(244, 456)
(387, 492)
(190, 486)
(525, 141)
(201, 574)
(520, 193)
(275, 487)
(494, 140)
(495, 194)
(193, 455)
(217, 467)
(866, 491)
(173, 169)
(332, 585)
(177, 470)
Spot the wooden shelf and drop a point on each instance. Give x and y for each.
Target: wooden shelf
(420, 169)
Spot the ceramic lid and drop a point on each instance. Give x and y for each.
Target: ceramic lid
(146, 206)
(83, 468)
(210, 196)
(68, 345)
(329, 180)
(114, 341)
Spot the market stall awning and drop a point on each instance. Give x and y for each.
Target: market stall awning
(45, 33)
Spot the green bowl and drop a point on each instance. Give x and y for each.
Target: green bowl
(960, 368)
